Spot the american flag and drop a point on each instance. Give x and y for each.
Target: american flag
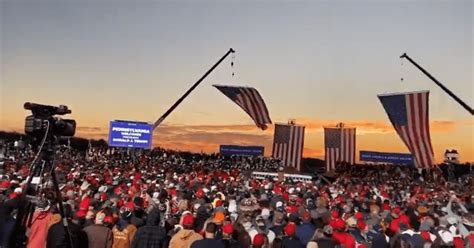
(408, 113)
(288, 142)
(250, 101)
(340, 146)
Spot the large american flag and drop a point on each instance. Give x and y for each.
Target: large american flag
(408, 113)
(250, 101)
(288, 143)
(340, 146)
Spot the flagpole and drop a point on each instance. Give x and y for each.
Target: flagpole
(450, 93)
(168, 112)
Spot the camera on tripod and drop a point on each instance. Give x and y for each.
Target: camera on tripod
(44, 117)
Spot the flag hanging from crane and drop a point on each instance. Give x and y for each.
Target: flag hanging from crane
(408, 113)
(250, 101)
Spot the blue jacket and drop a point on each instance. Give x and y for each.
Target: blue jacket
(305, 232)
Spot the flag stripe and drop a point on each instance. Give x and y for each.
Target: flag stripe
(252, 105)
(344, 140)
(424, 128)
(250, 101)
(331, 156)
(408, 113)
(414, 124)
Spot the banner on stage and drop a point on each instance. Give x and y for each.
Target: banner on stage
(388, 158)
(130, 134)
(229, 150)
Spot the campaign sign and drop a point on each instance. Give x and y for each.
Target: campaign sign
(229, 150)
(130, 134)
(384, 157)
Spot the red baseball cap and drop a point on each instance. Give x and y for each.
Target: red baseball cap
(259, 239)
(188, 220)
(290, 229)
(228, 229)
(361, 225)
(359, 216)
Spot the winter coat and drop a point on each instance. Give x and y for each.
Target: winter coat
(292, 242)
(377, 240)
(57, 236)
(413, 238)
(230, 243)
(305, 232)
(184, 238)
(151, 235)
(207, 243)
(99, 236)
(124, 234)
(138, 218)
(325, 243)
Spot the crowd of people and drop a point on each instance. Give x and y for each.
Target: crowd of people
(160, 199)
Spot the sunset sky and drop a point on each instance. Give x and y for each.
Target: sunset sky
(319, 62)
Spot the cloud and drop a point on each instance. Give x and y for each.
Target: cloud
(442, 126)
(313, 152)
(362, 126)
(373, 127)
(90, 129)
(207, 138)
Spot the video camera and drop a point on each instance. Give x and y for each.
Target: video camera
(43, 115)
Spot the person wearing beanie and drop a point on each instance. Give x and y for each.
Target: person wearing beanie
(124, 231)
(209, 238)
(186, 236)
(152, 235)
(291, 240)
(99, 235)
(218, 219)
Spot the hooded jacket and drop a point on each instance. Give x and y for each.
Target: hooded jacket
(151, 235)
(184, 238)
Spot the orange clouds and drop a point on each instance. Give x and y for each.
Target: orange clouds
(313, 152)
(207, 138)
(366, 127)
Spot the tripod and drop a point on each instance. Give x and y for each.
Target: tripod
(43, 164)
